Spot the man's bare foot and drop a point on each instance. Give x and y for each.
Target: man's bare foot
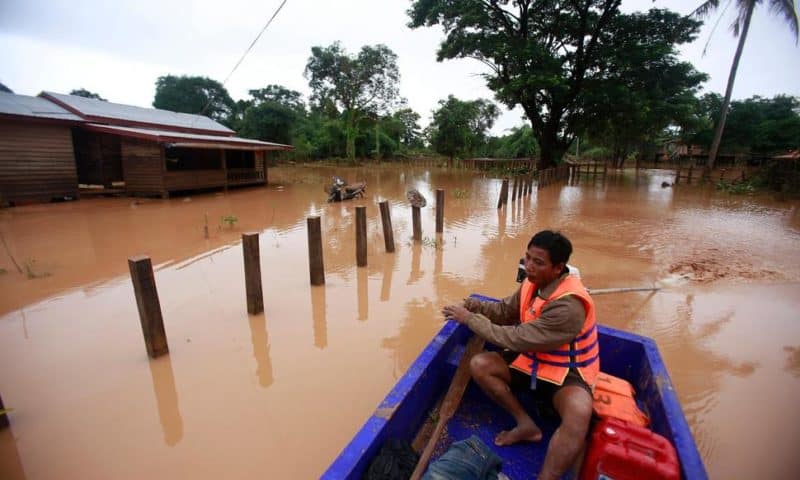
(524, 432)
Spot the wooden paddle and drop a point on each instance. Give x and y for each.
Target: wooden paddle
(450, 403)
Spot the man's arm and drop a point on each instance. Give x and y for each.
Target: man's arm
(504, 312)
(560, 322)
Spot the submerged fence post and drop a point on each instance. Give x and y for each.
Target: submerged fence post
(386, 221)
(252, 273)
(439, 210)
(503, 193)
(315, 264)
(416, 221)
(514, 190)
(144, 287)
(361, 236)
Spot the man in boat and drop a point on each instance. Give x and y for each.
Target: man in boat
(549, 328)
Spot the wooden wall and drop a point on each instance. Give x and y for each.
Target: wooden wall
(97, 157)
(142, 167)
(37, 162)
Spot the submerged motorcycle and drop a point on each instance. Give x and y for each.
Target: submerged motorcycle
(341, 190)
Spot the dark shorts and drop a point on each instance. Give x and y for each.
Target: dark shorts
(521, 381)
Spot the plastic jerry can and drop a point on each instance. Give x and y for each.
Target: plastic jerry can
(619, 450)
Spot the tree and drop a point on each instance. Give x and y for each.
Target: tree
(82, 92)
(459, 127)
(520, 143)
(360, 85)
(545, 55)
(274, 114)
(408, 133)
(195, 95)
(740, 27)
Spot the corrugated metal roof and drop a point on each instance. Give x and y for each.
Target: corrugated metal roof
(185, 139)
(98, 110)
(13, 104)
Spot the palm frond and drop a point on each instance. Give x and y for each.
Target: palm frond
(705, 9)
(787, 9)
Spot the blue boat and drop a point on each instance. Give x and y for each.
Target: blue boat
(408, 406)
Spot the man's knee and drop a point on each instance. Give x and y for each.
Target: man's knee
(575, 408)
(485, 364)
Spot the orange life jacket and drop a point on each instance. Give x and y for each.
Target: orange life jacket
(613, 397)
(582, 353)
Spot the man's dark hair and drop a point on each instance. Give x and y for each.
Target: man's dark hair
(558, 246)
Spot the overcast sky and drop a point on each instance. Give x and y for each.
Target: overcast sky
(119, 48)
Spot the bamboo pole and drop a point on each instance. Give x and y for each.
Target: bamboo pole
(252, 273)
(439, 210)
(386, 221)
(144, 287)
(315, 262)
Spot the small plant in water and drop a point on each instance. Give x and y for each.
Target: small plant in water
(460, 193)
(3, 271)
(31, 273)
(230, 220)
(432, 243)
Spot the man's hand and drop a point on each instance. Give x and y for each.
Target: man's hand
(456, 312)
(472, 304)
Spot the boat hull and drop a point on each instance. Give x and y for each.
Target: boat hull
(410, 403)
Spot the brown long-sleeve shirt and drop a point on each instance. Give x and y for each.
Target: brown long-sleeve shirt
(560, 322)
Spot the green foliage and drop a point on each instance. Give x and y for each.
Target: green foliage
(82, 92)
(549, 57)
(737, 188)
(459, 127)
(756, 125)
(192, 94)
(357, 85)
(520, 143)
(230, 220)
(275, 114)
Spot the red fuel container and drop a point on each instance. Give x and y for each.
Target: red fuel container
(619, 450)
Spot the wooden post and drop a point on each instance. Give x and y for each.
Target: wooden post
(361, 236)
(439, 210)
(678, 174)
(689, 179)
(252, 273)
(144, 287)
(503, 193)
(416, 221)
(3, 416)
(315, 263)
(386, 221)
(605, 168)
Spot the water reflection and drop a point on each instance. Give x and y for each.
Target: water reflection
(416, 273)
(318, 313)
(389, 262)
(363, 293)
(260, 339)
(167, 399)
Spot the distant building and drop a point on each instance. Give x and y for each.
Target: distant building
(52, 143)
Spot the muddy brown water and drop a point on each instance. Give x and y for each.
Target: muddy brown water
(278, 395)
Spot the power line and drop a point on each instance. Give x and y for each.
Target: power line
(252, 44)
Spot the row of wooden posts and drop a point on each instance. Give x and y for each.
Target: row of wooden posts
(689, 175)
(144, 285)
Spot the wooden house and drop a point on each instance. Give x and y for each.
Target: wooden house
(52, 143)
(37, 161)
(154, 152)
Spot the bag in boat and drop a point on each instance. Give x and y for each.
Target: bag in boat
(613, 397)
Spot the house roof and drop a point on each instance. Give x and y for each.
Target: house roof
(187, 140)
(100, 111)
(34, 107)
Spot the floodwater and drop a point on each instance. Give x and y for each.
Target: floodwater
(278, 395)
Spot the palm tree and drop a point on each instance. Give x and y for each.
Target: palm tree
(740, 26)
